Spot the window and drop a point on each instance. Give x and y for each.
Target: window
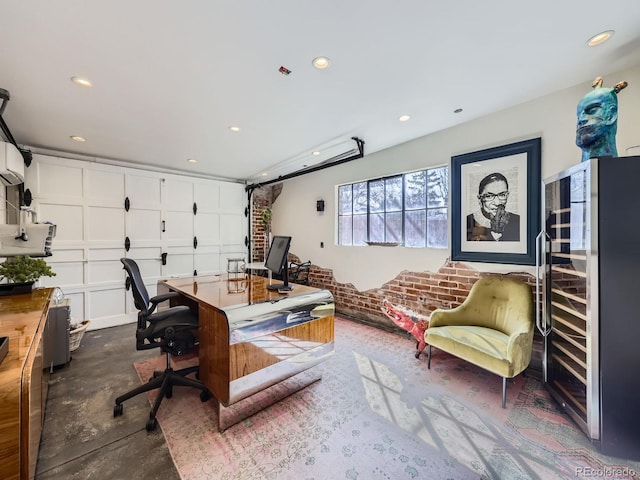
(410, 209)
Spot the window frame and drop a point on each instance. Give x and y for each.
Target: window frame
(403, 211)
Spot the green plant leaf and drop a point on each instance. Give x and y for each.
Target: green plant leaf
(25, 269)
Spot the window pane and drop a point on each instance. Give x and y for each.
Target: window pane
(359, 229)
(345, 196)
(393, 194)
(360, 197)
(376, 227)
(415, 228)
(415, 190)
(376, 196)
(437, 187)
(345, 233)
(394, 227)
(437, 228)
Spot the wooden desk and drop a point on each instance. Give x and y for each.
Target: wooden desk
(252, 338)
(23, 382)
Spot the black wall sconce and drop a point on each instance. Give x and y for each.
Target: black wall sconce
(320, 206)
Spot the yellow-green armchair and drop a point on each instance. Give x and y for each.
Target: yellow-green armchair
(492, 328)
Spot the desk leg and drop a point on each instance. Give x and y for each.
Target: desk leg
(245, 408)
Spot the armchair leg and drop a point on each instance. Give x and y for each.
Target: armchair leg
(428, 357)
(504, 392)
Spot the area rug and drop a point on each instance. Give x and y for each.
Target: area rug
(378, 413)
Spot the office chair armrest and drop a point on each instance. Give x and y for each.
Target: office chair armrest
(154, 301)
(168, 313)
(162, 297)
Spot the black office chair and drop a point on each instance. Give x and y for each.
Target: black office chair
(171, 330)
(299, 272)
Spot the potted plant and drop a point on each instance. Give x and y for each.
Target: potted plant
(265, 220)
(21, 272)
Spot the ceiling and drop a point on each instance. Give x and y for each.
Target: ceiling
(170, 77)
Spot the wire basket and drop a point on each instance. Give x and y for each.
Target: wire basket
(75, 335)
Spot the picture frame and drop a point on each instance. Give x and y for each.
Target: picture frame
(481, 229)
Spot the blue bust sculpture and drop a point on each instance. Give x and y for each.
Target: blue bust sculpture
(598, 121)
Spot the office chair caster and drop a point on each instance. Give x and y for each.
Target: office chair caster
(152, 423)
(205, 395)
(117, 410)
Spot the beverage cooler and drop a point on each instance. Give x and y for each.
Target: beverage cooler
(589, 285)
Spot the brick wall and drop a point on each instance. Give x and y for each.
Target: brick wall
(261, 198)
(420, 292)
(259, 234)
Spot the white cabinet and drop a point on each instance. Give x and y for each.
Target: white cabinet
(102, 209)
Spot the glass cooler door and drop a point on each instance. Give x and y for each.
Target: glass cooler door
(571, 341)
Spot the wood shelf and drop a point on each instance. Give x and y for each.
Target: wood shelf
(569, 309)
(573, 341)
(572, 256)
(569, 296)
(582, 331)
(574, 353)
(578, 372)
(578, 401)
(568, 271)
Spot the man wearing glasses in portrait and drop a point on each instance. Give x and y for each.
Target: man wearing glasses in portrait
(492, 221)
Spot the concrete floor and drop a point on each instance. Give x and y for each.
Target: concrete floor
(81, 439)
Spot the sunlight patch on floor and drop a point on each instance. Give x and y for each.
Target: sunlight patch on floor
(382, 391)
(442, 423)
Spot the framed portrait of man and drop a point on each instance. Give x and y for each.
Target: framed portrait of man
(495, 201)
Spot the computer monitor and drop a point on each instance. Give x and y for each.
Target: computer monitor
(277, 262)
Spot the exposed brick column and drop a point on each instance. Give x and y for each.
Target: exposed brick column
(261, 198)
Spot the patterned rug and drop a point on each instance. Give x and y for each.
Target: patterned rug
(378, 413)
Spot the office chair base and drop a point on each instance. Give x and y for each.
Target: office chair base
(165, 382)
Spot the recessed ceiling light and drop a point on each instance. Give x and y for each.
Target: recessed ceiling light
(82, 81)
(78, 138)
(600, 38)
(234, 128)
(192, 160)
(404, 118)
(457, 110)
(316, 153)
(263, 174)
(320, 62)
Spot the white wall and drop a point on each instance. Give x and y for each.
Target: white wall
(553, 118)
